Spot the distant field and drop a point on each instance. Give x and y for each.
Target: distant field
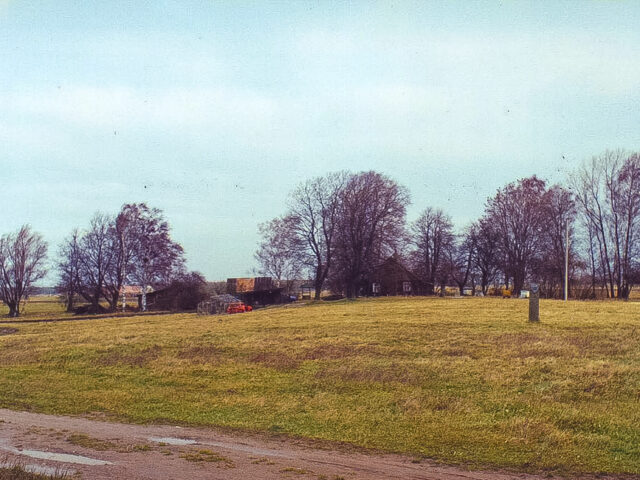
(41, 306)
(459, 380)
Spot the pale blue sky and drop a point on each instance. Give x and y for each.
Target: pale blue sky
(213, 111)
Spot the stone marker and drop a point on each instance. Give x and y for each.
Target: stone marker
(534, 307)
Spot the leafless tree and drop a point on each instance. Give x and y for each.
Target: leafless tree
(154, 257)
(559, 215)
(461, 257)
(97, 259)
(69, 268)
(370, 226)
(134, 246)
(628, 205)
(278, 256)
(608, 193)
(314, 209)
(486, 258)
(123, 240)
(432, 235)
(518, 215)
(22, 263)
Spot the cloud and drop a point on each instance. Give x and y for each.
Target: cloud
(349, 94)
(4, 6)
(126, 107)
(481, 62)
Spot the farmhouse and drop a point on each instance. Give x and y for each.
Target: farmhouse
(391, 277)
(255, 291)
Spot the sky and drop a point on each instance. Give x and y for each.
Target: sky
(215, 111)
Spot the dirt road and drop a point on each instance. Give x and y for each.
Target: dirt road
(106, 450)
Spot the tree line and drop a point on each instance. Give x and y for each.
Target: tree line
(133, 247)
(338, 227)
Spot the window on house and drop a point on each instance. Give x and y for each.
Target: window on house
(375, 288)
(406, 287)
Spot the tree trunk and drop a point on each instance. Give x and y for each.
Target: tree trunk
(114, 302)
(319, 280)
(518, 283)
(70, 302)
(352, 288)
(430, 288)
(13, 309)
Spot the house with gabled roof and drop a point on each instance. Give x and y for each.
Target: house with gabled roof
(391, 277)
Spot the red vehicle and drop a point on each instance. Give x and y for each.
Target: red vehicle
(238, 307)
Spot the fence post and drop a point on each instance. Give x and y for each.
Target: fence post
(534, 306)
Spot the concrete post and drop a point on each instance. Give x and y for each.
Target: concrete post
(534, 306)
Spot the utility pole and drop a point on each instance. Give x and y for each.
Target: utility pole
(566, 262)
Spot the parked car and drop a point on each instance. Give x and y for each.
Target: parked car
(238, 307)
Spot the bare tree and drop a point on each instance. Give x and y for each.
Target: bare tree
(134, 246)
(432, 235)
(314, 209)
(155, 257)
(519, 218)
(22, 263)
(608, 193)
(628, 205)
(278, 256)
(486, 257)
(461, 256)
(125, 241)
(97, 260)
(69, 268)
(370, 226)
(559, 212)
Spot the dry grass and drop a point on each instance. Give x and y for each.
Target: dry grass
(16, 471)
(209, 457)
(459, 380)
(86, 441)
(129, 356)
(82, 440)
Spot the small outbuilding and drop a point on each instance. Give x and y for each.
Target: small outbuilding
(306, 291)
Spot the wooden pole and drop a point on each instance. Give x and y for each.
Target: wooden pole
(566, 263)
(534, 303)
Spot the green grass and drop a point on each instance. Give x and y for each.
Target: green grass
(38, 307)
(458, 380)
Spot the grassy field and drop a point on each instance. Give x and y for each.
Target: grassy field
(39, 307)
(458, 380)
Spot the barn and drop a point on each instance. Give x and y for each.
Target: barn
(255, 291)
